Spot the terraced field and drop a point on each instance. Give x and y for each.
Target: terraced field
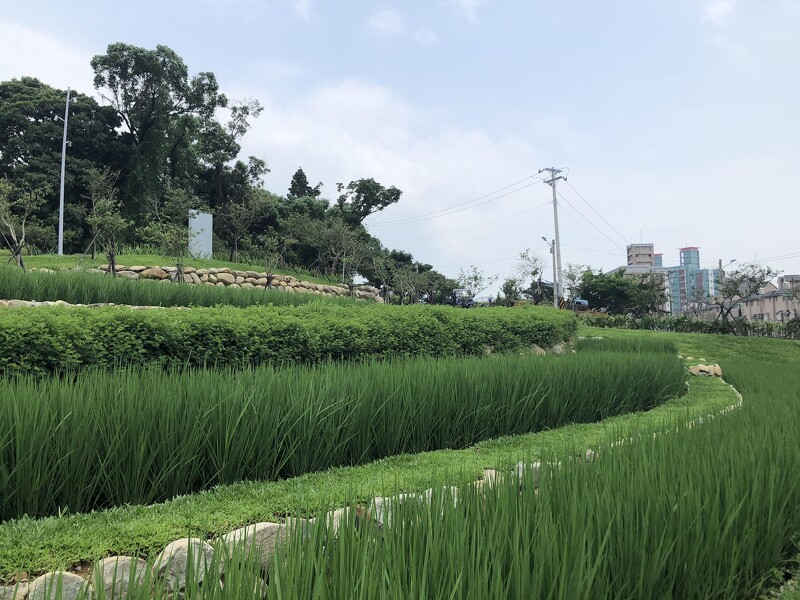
(605, 473)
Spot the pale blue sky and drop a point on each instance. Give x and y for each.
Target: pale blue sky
(679, 121)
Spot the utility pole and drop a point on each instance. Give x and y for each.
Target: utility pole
(552, 245)
(61, 194)
(554, 177)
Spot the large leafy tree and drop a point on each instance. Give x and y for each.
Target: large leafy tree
(162, 109)
(31, 132)
(740, 285)
(219, 146)
(621, 294)
(300, 188)
(363, 197)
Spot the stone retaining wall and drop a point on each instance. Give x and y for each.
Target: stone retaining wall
(234, 278)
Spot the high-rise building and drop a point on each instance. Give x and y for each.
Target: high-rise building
(640, 254)
(688, 283)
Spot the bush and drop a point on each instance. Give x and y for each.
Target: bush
(45, 340)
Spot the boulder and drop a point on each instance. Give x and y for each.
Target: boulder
(261, 538)
(173, 563)
(14, 592)
(187, 278)
(154, 273)
(247, 286)
(189, 269)
(170, 269)
(239, 279)
(48, 585)
(195, 278)
(694, 370)
(226, 278)
(119, 575)
(137, 268)
(18, 303)
(253, 274)
(128, 274)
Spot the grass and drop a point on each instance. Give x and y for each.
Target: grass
(92, 288)
(53, 261)
(701, 513)
(149, 435)
(695, 488)
(36, 545)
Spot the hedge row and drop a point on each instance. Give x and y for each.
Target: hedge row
(50, 339)
(789, 329)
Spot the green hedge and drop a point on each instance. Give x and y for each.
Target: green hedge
(50, 339)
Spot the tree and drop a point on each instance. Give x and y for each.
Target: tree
(30, 138)
(573, 276)
(299, 187)
(510, 292)
(168, 227)
(740, 285)
(363, 197)
(235, 218)
(220, 145)
(618, 294)
(528, 276)
(106, 219)
(16, 208)
(159, 106)
(473, 280)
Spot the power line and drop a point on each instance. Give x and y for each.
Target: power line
(597, 213)
(582, 226)
(593, 250)
(486, 198)
(590, 222)
(488, 262)
(422, 237)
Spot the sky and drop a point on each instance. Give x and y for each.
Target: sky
(676, 123)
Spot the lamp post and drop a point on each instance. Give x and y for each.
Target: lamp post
(61, 193)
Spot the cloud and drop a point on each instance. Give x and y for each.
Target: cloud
(469, 8)
(24, 51)
(303, 8)
(718, 12)
(426, 37)
(387, 24)
(352, 129)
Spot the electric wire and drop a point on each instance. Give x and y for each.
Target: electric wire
(486, 198)
(590, 222)
(596, 212)
(422, 237)
(582, 226)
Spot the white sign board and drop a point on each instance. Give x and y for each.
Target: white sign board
(200, 238)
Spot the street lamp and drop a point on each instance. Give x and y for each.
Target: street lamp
(552, 245)
(722, 269)
(61, 193)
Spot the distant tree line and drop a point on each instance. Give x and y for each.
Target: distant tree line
(154, 149)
